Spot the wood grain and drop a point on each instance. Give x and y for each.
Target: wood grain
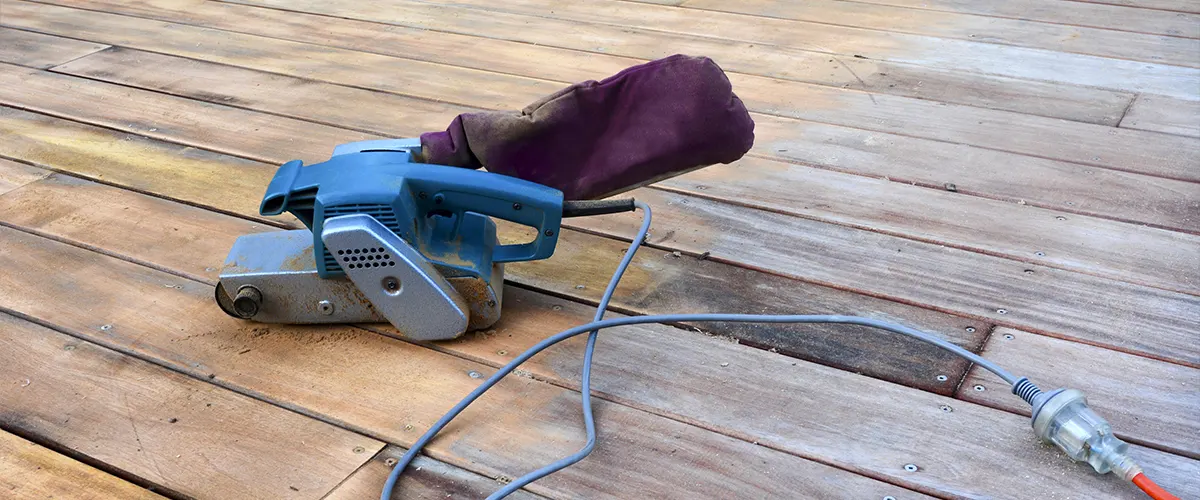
(1161, 406)
(1088, 144)
(1058, 185)
(529, 316)
(1059, 310)
(1126, 252)
(1040, 182)
(405, 76)
(1112, 17)
(1134, 318)
(29, 471)
(425, 480)
(431, 32)
(394, 390)
(1016, 32)
(660, 282)
(323, 369)
(41, 51)
(170, 430)
(1016, 62)
(14, 175)
(1164, 114)
(161, 116)
(1113, 250)
(1167, 5)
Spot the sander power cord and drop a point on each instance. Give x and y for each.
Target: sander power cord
(1060, 417)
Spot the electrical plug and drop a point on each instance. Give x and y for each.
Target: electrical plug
(1062, 417)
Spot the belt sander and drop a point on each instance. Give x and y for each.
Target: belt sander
(402, 230)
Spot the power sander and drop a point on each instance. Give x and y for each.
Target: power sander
(387, 239)
(402, 230)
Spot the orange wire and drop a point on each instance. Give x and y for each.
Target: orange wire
(1155, 491)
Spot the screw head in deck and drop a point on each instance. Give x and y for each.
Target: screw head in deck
(325, 307)
(979, 388)
(911, 467)
(942, 378)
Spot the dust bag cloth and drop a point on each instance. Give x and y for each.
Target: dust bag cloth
(596, 139)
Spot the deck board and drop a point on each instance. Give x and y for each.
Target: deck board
(29, 471)
(1021, 178)
(1070, 13)
(181, 434)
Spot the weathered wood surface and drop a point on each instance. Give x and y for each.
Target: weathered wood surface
(688, 364)
(1099, 247)
(394, 390)
(41, 51)
(1017, 62)
(14, 175)
(660, 282)
(1164, 114)
(1163, 403)
(1160, 202)
(431, 32)
(1016, 32)
(998, 172)
(1052, 184)
(29, 471)
(1119, 18)
(1005, 131)
(427, 480)
(1054, 302)
(178, 433)
(1168, 156)
(1114, 314)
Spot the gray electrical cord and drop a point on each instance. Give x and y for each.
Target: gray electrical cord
(597, 325)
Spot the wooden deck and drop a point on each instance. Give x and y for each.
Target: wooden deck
(1021, 177)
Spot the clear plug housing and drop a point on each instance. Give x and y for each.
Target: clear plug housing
(1063, 418)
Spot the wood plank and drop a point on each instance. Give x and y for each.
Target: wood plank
(394, 389)
(1141, 255)
(14, 175)
(165, 428)
(445, 46)
(1005, 131)
(41, 51)
(1125, 252)
(1015, 32)
(113, 107)
(1164, 114)
(1167, 5)
(404, 76)
(1162, 405)
(1150, 322)
(425, 479)
(1016, 62)
(29, 471)
(1112, 17)
(660, 282)
(1077, 189)
(315, 368)
(1057, 185)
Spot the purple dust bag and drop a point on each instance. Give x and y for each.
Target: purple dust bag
(596, 139)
